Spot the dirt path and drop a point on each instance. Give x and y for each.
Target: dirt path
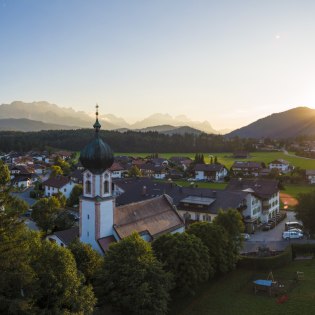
(288, 200)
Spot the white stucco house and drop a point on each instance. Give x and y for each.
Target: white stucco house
(213, 172)
(281, 165)
(310, 175)
(57, 184)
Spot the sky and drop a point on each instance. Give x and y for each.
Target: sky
(228, 62)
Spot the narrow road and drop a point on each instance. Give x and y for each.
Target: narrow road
(25, 195)
(296, 156)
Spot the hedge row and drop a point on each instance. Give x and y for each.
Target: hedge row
(266, 263)
(303, 249)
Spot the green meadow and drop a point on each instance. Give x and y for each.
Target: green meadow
(233, 294)
(227, 158)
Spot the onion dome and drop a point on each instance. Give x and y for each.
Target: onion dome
(97, 156)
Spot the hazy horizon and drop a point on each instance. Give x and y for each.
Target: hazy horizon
(227, 62)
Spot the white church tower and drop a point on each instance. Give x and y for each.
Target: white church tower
(97, 203)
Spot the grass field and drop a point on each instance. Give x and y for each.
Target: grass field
(227, 159)
(295, 190)
(233, 294)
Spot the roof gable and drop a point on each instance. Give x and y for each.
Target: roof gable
(155, 215)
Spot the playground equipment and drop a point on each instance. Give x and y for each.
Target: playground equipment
(268, 285)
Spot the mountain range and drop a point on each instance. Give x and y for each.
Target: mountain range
(50, 114)
(291, 123)
(36, 116)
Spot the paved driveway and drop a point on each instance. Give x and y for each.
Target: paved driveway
(273, 238)
(25, 195)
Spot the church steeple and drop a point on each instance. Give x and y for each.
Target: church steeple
(97, 156)
(97, 202)
(97, 126)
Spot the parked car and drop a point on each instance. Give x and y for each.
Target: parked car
(266, 227)
(297, 230)
(245, 236)
(292, 235)
(293, 224)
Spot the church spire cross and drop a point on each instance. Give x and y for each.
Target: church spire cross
(97, 126)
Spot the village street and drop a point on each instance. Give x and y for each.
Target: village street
(272, 238)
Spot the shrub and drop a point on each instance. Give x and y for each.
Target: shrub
(300, 249)
(266, 263)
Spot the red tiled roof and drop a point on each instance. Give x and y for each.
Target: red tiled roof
(116, 167)
(155, 215)
(104, 242)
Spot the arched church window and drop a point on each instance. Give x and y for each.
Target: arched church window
(106, 187)
(88, 187)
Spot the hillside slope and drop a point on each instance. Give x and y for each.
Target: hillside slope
(291, 123)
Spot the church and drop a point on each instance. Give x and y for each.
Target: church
(101, 221)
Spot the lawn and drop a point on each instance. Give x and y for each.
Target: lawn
(227, 159)
(295, 190)
(233, 294)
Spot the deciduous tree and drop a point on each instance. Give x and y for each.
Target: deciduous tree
(217, 241)
(74, 196)
(134, 281)
(186, 257)
(60, 287)
(45, 211)
(305, 210)
(55, 171)
(89, 262)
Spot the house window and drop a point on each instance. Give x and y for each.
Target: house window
(187, 216)
(88, 234)
(65, 189)
(88, 217)
(106, 187)
(197, 216)
(88, 187)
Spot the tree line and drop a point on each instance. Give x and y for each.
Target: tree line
(130, 141)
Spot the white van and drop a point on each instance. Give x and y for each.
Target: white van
(293, 224)
(291, 235)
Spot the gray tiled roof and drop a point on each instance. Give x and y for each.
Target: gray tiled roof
(145, 188)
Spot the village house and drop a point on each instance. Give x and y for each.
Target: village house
(151, 170)
(241, 155)
(117, 170)
(193, 204)
(281, 165)
(57, 184)
(22, 182)
(65, 237)
(39, 169)
(310, 175)
(76, 176)
(210, 172)
(183, 162)
(24, 171)
(262, 200)
(249, 168)
(65, 155)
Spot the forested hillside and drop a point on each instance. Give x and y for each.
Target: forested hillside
(129, 141)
